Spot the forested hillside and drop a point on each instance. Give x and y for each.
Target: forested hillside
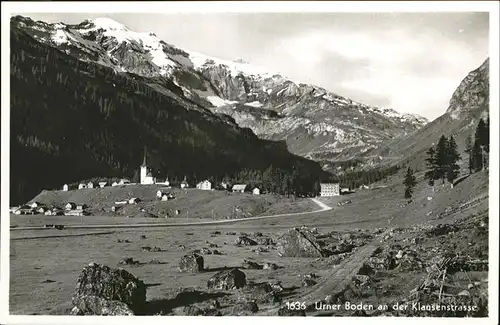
(73, 120)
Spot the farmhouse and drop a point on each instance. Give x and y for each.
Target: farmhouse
(165, 182)
(90, 185)
(42, 209)
(70, 206)
(13, 209)
(75, 212)
(102, 184)
(35, 205)
(54, 212)
(205, 185)
(239, 188)
(124, 181)
(256, 191)
(81, 186)
(73, 209)
(330, 189)
(134, 200)
(25, 209)
(65, 187)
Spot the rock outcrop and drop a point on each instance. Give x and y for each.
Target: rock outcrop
(227, 280)
(299, 243)
(191, 263)
(101, 290)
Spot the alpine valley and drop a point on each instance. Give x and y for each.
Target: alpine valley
(314, 122)
(247, 116)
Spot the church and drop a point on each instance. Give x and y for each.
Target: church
(146, 176)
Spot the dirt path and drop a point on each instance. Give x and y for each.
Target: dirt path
(336, 282)
(323, 207)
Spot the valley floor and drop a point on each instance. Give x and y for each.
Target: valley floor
(43, 271)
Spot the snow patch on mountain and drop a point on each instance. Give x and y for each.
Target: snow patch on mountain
(218, 102)
(254, 104)
(235, 68)
(109, 24)
(59, 37)
(148, 41)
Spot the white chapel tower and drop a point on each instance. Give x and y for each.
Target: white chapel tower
(146, 176)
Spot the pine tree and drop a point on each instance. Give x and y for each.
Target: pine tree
(487, 135)
(482, 134)
(441, 160)
(477, 156)
(431, 164)
(468, 151)
(409, 183)
(452, 157)
(317, 187)
(481, 145)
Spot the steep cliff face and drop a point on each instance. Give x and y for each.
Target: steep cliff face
(468, 104)
(471, 98)
(314, 122)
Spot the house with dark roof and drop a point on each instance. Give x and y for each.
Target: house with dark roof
(239, 188)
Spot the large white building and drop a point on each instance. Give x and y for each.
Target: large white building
(330, 189)
(205, 185)
(146, 176)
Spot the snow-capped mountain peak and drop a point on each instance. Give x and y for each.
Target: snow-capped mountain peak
(235, 68)
(108, 24)
(313, 121)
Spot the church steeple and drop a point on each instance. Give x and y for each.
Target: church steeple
(144, 161)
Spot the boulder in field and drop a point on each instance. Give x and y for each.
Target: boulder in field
(227, 280)
(205, 251)
(266, 241)
(308, 282)
(245, 308)
(270, 266)
(128, 261)
(109, 284)
(299, 243)
(261, 292)
(252, 265)
(245, 241)
(191, 263)
(94, 305)
(193, 311)
(208, 308)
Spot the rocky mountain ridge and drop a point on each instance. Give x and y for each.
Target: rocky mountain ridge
(314, 122)
(468, 104)
(78, 120)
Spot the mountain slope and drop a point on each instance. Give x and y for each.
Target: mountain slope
(314, 122)
(467, 105)
(73, 120)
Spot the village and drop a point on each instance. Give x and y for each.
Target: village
(163, 193)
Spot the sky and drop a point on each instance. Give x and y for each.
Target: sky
(411, 62)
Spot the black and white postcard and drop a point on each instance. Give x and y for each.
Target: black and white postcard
(279, 159)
